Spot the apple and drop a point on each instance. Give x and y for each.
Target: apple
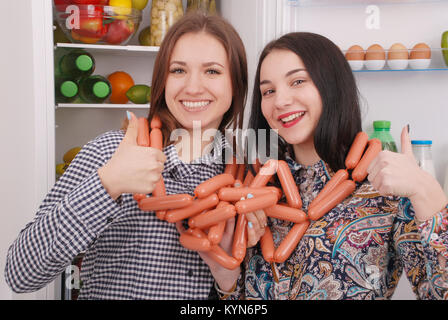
(91, 22)
(445, 47)
(119, 31)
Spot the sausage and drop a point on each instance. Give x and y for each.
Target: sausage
(139, 196)
(239, 245)
(335, 180)
(235, 194)
(342, 191)
(216, 232)
(165, 202)
(159, 191)
(197, 206)
(191, 242)
(156, 123)
(248, 179)
(289, 185)
(267, 245)
(214, 184)
(212, 217)
(143, 133)
(360, 171)
(156, 138)
(290, 242)
(240, 172)
(283, 212)
(220, 256)
(265, 174)
(356, 150)
(231, 168)
(254, 204)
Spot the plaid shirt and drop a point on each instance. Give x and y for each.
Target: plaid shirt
(130, 254)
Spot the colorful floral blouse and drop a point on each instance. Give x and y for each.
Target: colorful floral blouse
(358, 250)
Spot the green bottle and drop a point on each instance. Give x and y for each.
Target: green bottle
(382, 132)
(74, 64)
(94, 89)
(66, 91)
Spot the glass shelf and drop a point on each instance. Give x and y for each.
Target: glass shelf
(110, 49)
(102, 106)
(335, 3)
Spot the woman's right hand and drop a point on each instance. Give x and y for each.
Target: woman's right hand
(132, 169)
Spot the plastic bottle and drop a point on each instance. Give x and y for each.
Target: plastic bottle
(94, 89)
(66, 91)
(382, 132)
(423, 155)
(74, 64)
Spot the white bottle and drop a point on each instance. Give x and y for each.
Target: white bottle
(423, 155)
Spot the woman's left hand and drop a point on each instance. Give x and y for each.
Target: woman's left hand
(398, 174)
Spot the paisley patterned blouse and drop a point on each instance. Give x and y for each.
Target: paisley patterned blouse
(358, 250)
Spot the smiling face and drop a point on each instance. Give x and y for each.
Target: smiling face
(290, 101)
(198, 86)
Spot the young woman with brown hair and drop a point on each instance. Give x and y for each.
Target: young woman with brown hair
(200, 75)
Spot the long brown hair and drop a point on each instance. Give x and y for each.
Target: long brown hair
(223, 31)
(341, 116)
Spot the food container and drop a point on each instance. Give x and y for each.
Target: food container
(206, 6)
(98, 24)
(398, 64)
(375, 64)
(164, 13)
(419, 63)
(356, 64)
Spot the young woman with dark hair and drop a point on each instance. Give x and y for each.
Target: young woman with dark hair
(200, 75)
(395, 221)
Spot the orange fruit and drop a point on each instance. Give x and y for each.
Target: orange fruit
(120, 82)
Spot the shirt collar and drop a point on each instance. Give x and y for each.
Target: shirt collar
(320, 168)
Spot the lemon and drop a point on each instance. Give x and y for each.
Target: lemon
(139, 4)
(123, 7)
(60, 169)
(71, 154)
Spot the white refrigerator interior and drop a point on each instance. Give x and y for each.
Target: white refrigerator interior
(39, 139)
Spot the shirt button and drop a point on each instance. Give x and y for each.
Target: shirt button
(109, 220)
(190, 273)
(434, 236)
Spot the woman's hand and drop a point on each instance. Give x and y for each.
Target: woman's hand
(224, 277)
(398, 174)
(132, 169)
(256, 225)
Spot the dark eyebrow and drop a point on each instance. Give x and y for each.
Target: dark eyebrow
(207, 64)
(286, 75)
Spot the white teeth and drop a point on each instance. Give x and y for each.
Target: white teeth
(293, 116)
(199, 104)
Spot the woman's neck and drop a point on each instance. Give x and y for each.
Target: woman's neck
(305, 154)
(193, 145)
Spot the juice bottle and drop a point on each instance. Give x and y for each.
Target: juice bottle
(382, 132)
(66, 91)
(94, 89)
(74, 64)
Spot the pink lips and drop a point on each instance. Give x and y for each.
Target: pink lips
(291, 123)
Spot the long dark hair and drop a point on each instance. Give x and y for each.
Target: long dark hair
(224, 32)
(340, 120)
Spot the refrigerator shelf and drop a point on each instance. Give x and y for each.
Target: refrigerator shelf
(129, 50)
(336, 3)
(102, 106)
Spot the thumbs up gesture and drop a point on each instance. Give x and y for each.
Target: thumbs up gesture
(393, 173)
(398, 174)
(132, 168)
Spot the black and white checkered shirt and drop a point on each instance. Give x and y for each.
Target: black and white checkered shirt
(130, 254)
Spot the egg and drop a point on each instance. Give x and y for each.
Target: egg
(398, 52)
(355, 53)
(421, 51)
(375, 52)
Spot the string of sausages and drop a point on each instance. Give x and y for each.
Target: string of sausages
(231, 193)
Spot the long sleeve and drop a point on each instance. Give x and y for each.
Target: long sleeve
(71, 217)
(423, 250)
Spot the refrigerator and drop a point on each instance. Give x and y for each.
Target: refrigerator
(414, 97)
